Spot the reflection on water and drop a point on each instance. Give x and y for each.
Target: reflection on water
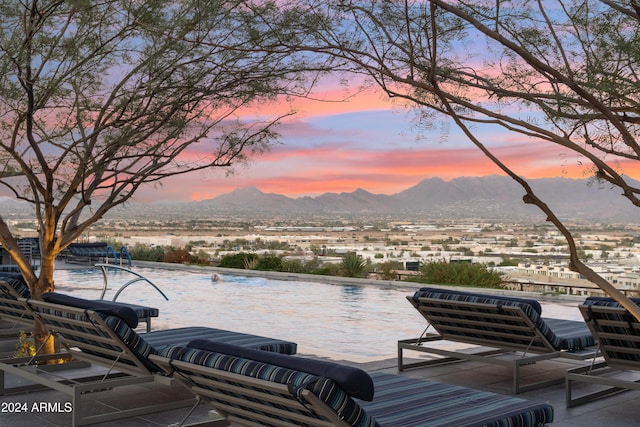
(351, 292)
(350, 322)
(244, 281)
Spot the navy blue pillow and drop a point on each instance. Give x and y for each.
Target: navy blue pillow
(355, 382)
(104, 307)
(533, 303)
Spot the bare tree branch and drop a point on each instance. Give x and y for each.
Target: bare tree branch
(99, 99)
(561, 72)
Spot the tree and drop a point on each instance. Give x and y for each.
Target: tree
(555, 73)
(98, 99)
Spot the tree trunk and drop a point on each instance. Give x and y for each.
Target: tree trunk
(44, 341)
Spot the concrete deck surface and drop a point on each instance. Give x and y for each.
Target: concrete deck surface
(39, 409)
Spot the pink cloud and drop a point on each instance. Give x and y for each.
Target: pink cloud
(365, 143)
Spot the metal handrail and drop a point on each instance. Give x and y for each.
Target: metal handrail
(139, 277)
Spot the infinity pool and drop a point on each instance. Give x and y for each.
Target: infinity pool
(357, 323)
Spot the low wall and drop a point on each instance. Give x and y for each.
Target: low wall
(337, 280)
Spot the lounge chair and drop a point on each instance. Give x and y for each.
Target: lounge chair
(494, 325)
(618, 335)
(14, 313)
(107, 338)
(87, 252)
(252, 387)
(12, 287)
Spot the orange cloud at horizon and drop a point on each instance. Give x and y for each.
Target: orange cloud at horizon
(364, 143)
(379, 172)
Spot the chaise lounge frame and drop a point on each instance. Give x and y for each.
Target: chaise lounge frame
(18, 312)
(125, 368)
(15, 312)
(503, 335)
(218, 385)
(87, 337)
(618, 336)
(251, 392)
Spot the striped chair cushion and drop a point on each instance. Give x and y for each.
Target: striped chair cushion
(181, 336)
(10, 307)
(324, 388)
(356, 382)
(606, 301)
(569, 335)
(455, 295)
(134, 341)
(404, 401)
(144, 344)
(562, 334)
(612, 327)
(59, 322)
(16, 281)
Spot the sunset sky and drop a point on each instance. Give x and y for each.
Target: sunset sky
(370, 143)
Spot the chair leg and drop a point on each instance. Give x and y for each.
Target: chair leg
(589, 375)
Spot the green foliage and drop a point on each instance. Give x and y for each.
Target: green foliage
(459, 274)
(509, 262)
(238, 260)
(294, 266)
(115, 244)
(146, 253)
(269, 263)
(26, 346)
(201, 258)
(312, 266)
(101, 98)
(327, 269)
(353, 265)
(386, 269)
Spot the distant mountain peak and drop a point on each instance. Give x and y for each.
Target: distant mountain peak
(251, 189)
(491, 197)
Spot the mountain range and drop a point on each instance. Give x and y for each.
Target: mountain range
(489, 197)
(467, 197)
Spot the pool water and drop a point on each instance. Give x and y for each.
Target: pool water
(356, 323)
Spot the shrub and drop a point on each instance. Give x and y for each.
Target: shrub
(240, 260)
(387, 269)
(269, 263)
(293, 266)
(459, 274)
(146, 253)
(327, 269)
(176, 256)
(353, 265)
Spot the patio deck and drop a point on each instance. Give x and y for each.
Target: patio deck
(619, 411)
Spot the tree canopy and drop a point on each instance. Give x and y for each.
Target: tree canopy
(98, 99)
(557, 73)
